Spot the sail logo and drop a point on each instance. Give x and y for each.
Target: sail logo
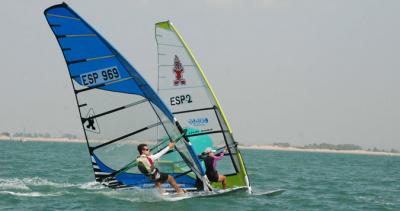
(178, 70)
(198, 121)
(90, 124)
(181, 99)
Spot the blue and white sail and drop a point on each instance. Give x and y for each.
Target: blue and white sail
(118, 108)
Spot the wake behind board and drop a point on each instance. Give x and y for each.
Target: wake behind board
(270, 193)
(194, 194)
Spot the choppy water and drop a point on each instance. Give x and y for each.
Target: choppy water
(49, 176)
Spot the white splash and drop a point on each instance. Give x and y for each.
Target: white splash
(30, 194)
(37, 181)
(91, 186)
(14, 184)
(133, 195)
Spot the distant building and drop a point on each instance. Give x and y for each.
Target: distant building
(5, 136)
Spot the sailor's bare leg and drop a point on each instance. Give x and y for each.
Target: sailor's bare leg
(222, 178)
(158, 186)
(172, 182)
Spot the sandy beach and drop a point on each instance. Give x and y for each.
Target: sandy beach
(42, 139)
(255, 147)
(64, 140)
(278, 148)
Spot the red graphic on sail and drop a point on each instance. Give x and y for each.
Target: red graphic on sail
(178, 70)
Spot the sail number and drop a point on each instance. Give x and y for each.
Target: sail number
(100, 76)
(181, 99)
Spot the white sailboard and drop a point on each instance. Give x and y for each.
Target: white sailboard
(195, 194)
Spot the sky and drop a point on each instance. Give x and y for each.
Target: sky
(300, 71)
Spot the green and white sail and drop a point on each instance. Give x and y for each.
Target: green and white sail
(183, 86)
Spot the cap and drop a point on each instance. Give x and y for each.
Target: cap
(208, 150)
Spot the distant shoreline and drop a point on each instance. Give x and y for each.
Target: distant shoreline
(295, 149)
(42, 139)
(255, 147)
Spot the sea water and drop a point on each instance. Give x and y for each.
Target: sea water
(58, 176)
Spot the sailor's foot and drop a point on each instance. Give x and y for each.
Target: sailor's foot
(181, 191)
(162, 191)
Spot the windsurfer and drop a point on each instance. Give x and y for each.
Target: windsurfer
(146, 162)
(211, 163)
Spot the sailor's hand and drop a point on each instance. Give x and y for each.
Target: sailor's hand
(171, 145)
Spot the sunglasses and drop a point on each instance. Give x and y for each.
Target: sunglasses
(146, 149)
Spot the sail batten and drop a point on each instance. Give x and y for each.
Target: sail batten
(63, 16)
(126, 136)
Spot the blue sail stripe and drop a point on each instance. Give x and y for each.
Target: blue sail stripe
(88, 59)
(84, 47)
(68, 26)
